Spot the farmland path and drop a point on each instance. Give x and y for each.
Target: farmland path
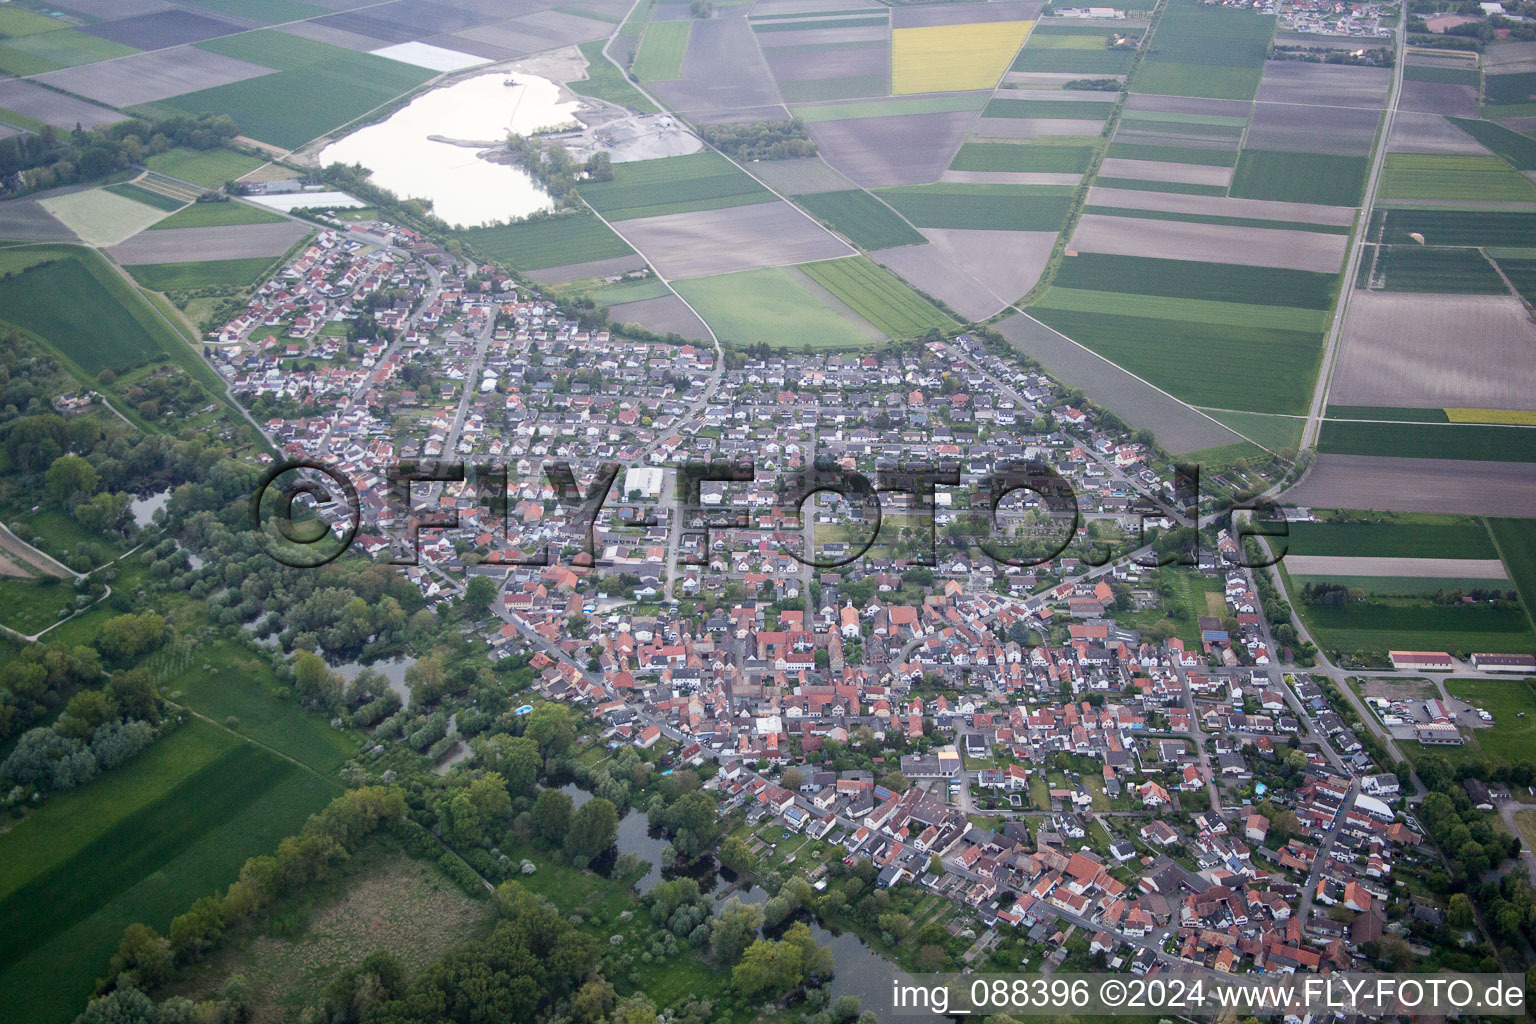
(1310, 432)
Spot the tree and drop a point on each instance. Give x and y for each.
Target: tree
(552, 816)
(85, 712)
(144, 952)
(490, 797)
(134, 694)
(426, 680)
(71, 479)
(549, 725)
(1459, 911)
(480, 592)
(594, 827)
(735, 930)
(736, 856)
(313, 679)
(792, 779)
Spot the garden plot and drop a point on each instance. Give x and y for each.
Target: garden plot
(157, 75)
(974, 272)
(162, 29)
(1221, 206)
(1338, 130)
(1430, 133)
(53, 108)
(1416, 485)
(1162, 170)
(723, 70)
(665, 315)
(1214, 243)
(715, 242)
(200, 245)
(906, 149)
(1177, 427)
(1395, 352)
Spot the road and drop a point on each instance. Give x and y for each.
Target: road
(1304, 908)
(1314, 423)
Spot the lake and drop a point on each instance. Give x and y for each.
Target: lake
(431, 149)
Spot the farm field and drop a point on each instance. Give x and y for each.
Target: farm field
(317, 89)
(615, 294)
(100, 217)
(1199, 218)
(1516, 539)
(1518, 149)
(1398, 536)
(1412, 268)
(677, 184)
(1172, 154)
(981, 206)
(1447, 176)
(1052, 109)
(139, 844)
(158, 200)
(878, 297)
(862, 218)
(1205, 51)
(209, 168)
(547, 242)
(660, 57)
(1453, 227)
(1216, 282)
(1398, 586)
(606, 82)
(164, 277)
(1273, 432)
(60, 47)
(1005, 156)
(890, 107)
(953, 58)
(768, 306)
(215, 215)
(1430, 441)
(1299, 177)
(1511, 738)
(71, 309)
(1521, 274)
(1230, 314)
(1243, 367)
(1418, 624)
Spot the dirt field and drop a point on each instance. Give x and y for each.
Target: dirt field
(1178, 428)
(24, 220)
(146, 77)
(666, 314)
(1341, 131)
(354, 41)
(775, 7)
(1430, 133)
(975, 273)
(907, 149)
(1416, 485)
(800, 177)
(53, 108)
(101, 218)
(1032, 127)
(583, 271)
(1145, 133)
(199, 245)
(722, 69)
(814, 60)
(1010, 178)
(1221, 206)
(161, 29)
(1337, 85)
(717, 242)
(1159, 170)
(1395, 352)
(1187, 105)
(1428, 568)
(1439, 98)
(1213, 243)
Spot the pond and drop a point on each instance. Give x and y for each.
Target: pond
(432, 148)
(860, 970)
(393, 670)
(143, 509)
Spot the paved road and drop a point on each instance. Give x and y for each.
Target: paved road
(1304, 908)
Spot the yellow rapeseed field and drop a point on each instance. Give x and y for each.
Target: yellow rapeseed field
(1515, 417)
(954, 58)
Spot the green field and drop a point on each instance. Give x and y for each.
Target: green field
(1521, 274)
(768, 307)
(1419, 625)
(60, 48)
(674, 184)
(1414, 268)
(1203, 311)
(317, 89)
(1518, 149)
(1173, 154)
(209, 168)
(139, 844)
(1299, 177)
(1216, 282)
(1170, 78)
(863, 219)
(158, 200)
(1182, 187)
(1204, 50)
(660, 57)
(1065, 60)
(32, 604)
(1273, 432)
(878, 297)
(807, 25)
(1441, 176)
(1007, 156)
(1476, 442)
(1516, 539)
(1511, 738)
(891, 107)
(1232, 367)
(1386, 412)
(987, 207)
(617, 294)
(271, 12)
(17, 21)
(71, 308)
(1067, 109)
(1394, 536)
(166, 277)
(606, 82)
(546, 241)
(1443, 76)
(1455, 227)
(1510, 89)
(1200, 218)
(1403, 586)
(218, 215)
